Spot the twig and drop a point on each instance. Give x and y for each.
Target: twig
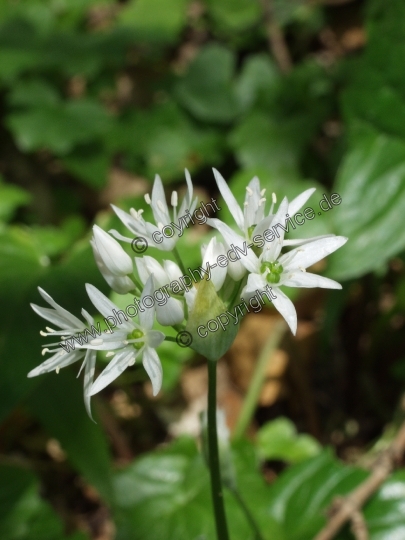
(359, 527)
(277, 44)
(344, 509)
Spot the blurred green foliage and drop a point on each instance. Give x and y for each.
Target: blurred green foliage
(154, 86)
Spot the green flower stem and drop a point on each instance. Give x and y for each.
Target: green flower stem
(256, 383)
(179, 261)
(246, 511)
(138, 285)
(215, 473)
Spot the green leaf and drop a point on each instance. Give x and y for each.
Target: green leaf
(11, 197)
(154, 20)
(258, 82)
(207, 90)
(60, 126)
(234, 15)
(371, 183)
(166, 495)
(278, 439)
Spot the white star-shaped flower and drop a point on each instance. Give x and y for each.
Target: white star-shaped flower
(139, 227)
(130, 341)
(70, 326)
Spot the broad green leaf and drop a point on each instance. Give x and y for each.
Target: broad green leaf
(11, 197)
(206, 89)
(258, 82)
(279, 439)
(58, 127)
(166, 495)
(371, 183)
(234, 15)
(154, 20)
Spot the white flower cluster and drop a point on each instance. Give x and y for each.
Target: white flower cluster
(263, 265)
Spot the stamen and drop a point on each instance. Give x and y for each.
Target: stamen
(302, 269)
(245, 203)
(263, 191)
(134, 213)
(174, 199)
(57, 370)
(96, 342)
(111, 353)
(43, 333)
(249, 190)
(147, 198)
(125, 342)
(261, 201)
(44, 351)
(274, 198)
(49, 329)
(160, 225)
(160, 205)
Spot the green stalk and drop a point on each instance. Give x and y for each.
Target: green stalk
(213, 454)
(256, 383)
(179, 261)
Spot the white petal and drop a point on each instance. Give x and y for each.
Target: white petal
(153, 267)
(130, 223)
(171, 313)
(306, 279)
(172, 270)
(302, 241)
(272, 250)
(147, 315)
(153, 368)
(186, 203)
(60, 359)
(119, 284)
(236, 270)
(311, 253)
(249, 261)
(211, 254)
(286, 308)
(299, 201)
(114, 257)
(53, 317)
(90, 364)
(105, 306)
(255, 282)
(252, 200)
(159, 204)
(76, 323)
(154, 338)
(230, 200)
(190, 297)
(118, 364)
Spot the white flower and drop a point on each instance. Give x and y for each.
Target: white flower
(61, 358)
(130, 341)
(290, 270)
(171, 310)
(252, 220)
(112, 261)
(139, 227)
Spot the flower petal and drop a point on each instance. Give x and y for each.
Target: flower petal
(118, 364)
(90, 365)
(286, 308)
(75, 322)
(154, 338)
(230, 200)
(60, 359)
(113, 256)
(105, 306)
(147, 315)
(306, 279)
(311, 253)
(153, 368)
(299, 201)
(171, 313)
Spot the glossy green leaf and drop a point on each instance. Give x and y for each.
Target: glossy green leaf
(279, 439)
(206, 89)
(154, 20)
(371, 183)
(166, 495)
(234, 15)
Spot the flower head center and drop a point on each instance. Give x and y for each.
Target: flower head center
(272, 271)
(136, 334)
